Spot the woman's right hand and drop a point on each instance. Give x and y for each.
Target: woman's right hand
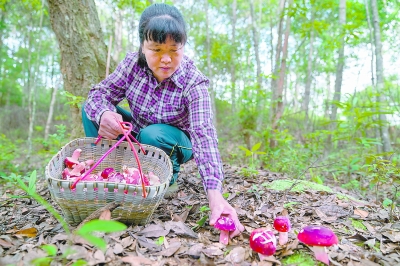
(109, 125)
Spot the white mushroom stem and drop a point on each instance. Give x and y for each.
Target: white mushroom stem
(283, 238)
(224, 237)
(320, 254)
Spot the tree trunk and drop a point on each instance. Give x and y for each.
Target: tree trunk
(118, 36)
(260, 95)
(339, 72)
(328, 94)
(307, 90)
(83, 51)
(386, 145)
(278, 51)
(278, 111)
(212, 93)
(32, 88)
(52, 104)
(340, 64)
(233, 60)
(371, 41)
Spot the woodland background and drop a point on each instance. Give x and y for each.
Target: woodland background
(306, 88)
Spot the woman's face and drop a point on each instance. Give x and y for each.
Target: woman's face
(163, 58)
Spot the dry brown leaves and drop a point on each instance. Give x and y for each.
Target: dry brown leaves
(171, 240)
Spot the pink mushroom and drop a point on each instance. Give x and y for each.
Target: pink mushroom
(263, 242)
(70, 162)
(318, 237)
(225, 225)
(107, 172)
(282, 225)
(153, 179)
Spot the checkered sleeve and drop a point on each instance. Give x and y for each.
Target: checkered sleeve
(109, 92)
(204, 137)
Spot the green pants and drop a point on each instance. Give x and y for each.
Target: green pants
(173, 141)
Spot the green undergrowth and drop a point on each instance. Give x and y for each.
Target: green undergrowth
(299, 258)
(358, 224)
(296, 185)
(303, 185)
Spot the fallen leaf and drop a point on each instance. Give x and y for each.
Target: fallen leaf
(153, 230)
(369, 227)
(393, 236)
(5, 244)
(105, 215)
(173, 247)
(388, 247)
(127, 241)
(195, 250)
(212, 252)
(383, 214)
(365, 262)
(272, 259)
(99, 256)
(237, 255)
(180, 228)
(370, 243)
(29, 232)
(184, 215)
(118, 249)
(137, 261)
(361, 213)
(323, 217)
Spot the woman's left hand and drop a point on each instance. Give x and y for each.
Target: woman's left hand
(220, 207)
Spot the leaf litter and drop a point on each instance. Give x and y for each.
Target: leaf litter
(175, 235)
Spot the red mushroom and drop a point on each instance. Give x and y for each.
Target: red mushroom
(225, 225)
(318, 237)
(282, 225)
(263, 242)
(107, 172)
(70, 162)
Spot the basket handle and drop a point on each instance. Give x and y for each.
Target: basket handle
(126, 136)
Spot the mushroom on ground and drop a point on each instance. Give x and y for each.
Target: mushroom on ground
(263, 242)
(225, 225)
(282, 225)
(318, 237)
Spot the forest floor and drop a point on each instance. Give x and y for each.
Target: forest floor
(366, 235)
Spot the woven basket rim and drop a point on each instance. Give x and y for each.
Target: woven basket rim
(48, 176)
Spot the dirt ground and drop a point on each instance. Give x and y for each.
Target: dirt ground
(179, 234)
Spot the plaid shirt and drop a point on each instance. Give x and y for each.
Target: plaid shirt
(181, 100)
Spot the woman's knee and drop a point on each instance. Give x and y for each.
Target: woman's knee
(151, 135)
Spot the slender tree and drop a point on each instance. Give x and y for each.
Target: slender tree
(278, 111)
(212, 92)
(340, 62)
(371, 41)
(233, 55)
(386, 145)
(309, 76)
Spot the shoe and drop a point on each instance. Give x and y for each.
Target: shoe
(171, 191)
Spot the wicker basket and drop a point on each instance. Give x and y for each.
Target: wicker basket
(88, 196)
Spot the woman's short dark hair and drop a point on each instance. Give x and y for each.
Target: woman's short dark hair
(158, 22)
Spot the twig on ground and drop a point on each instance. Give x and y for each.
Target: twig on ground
(96, 214)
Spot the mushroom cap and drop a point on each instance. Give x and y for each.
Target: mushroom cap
(315, 235)
(263, 241)
(282, 224)
(225, 223)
